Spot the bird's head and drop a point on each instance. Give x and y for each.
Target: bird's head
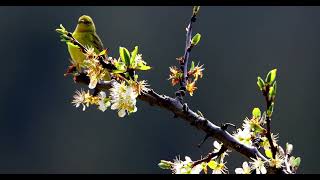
(85, 24)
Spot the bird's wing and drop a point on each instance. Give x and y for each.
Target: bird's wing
(97, 42)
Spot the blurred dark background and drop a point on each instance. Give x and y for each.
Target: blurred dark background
(41, 132)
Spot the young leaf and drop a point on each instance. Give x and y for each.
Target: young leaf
(270, 110)
(272, 93)
(212, 164)
(275, 87)
(71, 44)
(260, 83)
(144, 67)
(104, 52)
(196, 39)
(297, 162)
(125, 55)
(135, 77)
(117, 71)
(164, 164)
(271, 76)
(133, 56)
(62, 30)
(192, 66)
(196, 9)
(256, 113)
(268, 153)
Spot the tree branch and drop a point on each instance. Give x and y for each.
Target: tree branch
(174, 106)
(210, 156)
(184, 60)
(268, 120)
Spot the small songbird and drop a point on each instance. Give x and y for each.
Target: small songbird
(85, 33)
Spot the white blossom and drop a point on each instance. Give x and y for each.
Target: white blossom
(258, 165)
(123, 98)
(80, 99)
(244, 170)
(103, 104)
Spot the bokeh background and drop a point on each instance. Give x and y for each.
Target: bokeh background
(41, 132)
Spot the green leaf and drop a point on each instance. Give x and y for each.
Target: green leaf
(271, 93)
(71, 44)
(212, 164)
(135, 77)
(275, 87)
(196, 39)
(127, 75)
(270, 110)
(268, 153)
(144, 67)
(196, 9)
(125, 55)
(296, 162)
(256, 113)
(133, 55)
(164, 164)
(104, 52)
(257, 129)
(61, 26)
(271, 76)
(117, 71)
(192, 66)
(260, 83)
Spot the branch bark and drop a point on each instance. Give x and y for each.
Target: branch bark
(185, 59)
(210, 156)
(173, 105)
(268, 120)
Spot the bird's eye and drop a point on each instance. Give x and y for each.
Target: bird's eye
(84, 22)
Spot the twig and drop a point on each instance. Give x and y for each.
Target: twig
(268, 120)
(210, 156)
(184, 60)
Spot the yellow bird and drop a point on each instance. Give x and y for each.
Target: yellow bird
(85, 33)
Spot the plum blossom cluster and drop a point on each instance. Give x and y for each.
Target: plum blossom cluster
(254, 134)
(125, 89)
(194, 73)
(215, 165)
(121, 73)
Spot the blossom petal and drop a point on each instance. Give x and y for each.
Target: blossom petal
(122, 113)
(239, 171)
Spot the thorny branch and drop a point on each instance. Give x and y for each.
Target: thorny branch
(210, 156)
(184, 60)
(173, 105)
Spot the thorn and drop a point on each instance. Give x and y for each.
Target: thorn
(193, 19)
(180, 59)
(204, 140)
(225, 126)
(256, 142)
(200, 113)
(70, 70)
(96, 92)
(185, 107)
(183, 89)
